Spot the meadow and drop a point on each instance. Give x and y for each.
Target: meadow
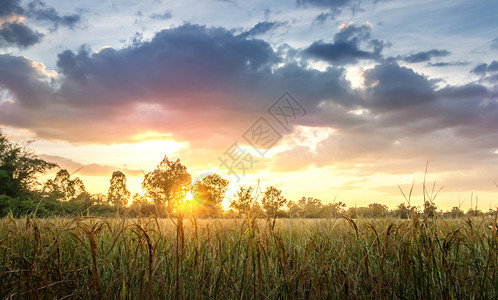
(89, 257)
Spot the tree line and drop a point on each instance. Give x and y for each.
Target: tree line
(166, 190)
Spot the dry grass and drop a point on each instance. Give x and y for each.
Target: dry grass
(228, 259)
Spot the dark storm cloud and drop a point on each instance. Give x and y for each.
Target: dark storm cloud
(425, 55)
(188, 55)
(10, 7)
(345, 48)
(24, 81)
(483, 69)
(408, 118)
(207, 74)
(19, 35)
(39, 11)
(207, 85)
(162, 16)
(262, 28)
(391, 87)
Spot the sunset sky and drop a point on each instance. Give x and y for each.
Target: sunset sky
(350, 98)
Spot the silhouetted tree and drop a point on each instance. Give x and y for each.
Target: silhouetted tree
(305, 207)
(378, 210)
(19, 167)
(402, 211)
(168, 183)
(333, 210)
(456, 212)
(209, 193)
(273, 201)
(118, 194)
(429, 209)
(138, 200)
(474, 212)
(243, 200)
(62, 187)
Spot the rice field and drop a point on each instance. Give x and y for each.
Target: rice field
(88, 257)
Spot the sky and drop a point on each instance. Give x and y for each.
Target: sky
(341, 100)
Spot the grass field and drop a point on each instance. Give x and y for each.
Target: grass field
(227, 259)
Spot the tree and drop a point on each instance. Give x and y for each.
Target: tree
(312, 206)
(402, 211)
(19, 167)
(62, 187)
(244, 200)
(273, 201)
(138, 200)
(118, 194)
(378, 210)
(332, 210)
(429, 209)
(168, 183)
(305, 207)
(456, 212)
(209, 192)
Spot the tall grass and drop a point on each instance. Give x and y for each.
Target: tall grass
(251, 258)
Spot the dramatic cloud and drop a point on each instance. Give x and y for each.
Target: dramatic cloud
(177, 71)
(206, 86)
(23, 79)
(10, 7)
(483, 69)
(391, 87)
(15, 33)
(425, 55)
(19, 35)
(38, 10)
(261, 28)
(403, 121)
(211, 84)
(345, 48)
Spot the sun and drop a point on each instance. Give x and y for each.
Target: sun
(188, 203)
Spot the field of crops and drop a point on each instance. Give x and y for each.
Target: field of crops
(227, 259)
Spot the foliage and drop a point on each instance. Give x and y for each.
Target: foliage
(19, 168)
(333, 210)
(430, 209)
(209, 193)
(273, 201)
(62, 187)
(168, 183)
(374, 210)
(402, 211)
(305, 208)
(243, 201)
(118, 194)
